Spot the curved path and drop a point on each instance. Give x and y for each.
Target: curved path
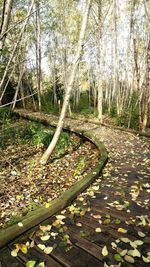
(108, 224)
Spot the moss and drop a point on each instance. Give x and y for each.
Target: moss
(42, 213)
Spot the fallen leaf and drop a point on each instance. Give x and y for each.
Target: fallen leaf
(60, 217)
(98, 230)
(147, 260)
(14, 253)
(134, 253)
(121, 230)
(125, 240)
(117, 257)
(45, 228)
(141, 234)
(30, 263)
(48, 250)
(20, 224)
(45, 238)
(104, 251)
(41, 246)
(129, 259)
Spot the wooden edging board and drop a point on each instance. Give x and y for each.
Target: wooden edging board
(42, 213)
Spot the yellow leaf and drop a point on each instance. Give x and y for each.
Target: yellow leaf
(45, 238)
(98, 230)
(24, 249)
(48, 250)
(129, 259)
(141, 234)
(104, 251)
(41, 246)
(121, 230)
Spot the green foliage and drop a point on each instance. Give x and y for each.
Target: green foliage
(21, 131)
(80, 167)
(129, 116)
(47, 103)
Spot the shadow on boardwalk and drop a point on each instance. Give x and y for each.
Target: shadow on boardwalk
(108, 224)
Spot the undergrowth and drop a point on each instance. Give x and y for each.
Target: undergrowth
(18, 131)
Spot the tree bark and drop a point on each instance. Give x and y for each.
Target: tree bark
(99, 65)
(15, 48)
(38, 52)
(146, 91)
(53, 143)
(7, 6)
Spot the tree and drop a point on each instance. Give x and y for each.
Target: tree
(7, 6)
(69, 86)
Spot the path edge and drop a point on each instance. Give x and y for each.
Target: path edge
(33, 218)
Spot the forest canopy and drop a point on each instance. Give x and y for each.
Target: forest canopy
(38, 44)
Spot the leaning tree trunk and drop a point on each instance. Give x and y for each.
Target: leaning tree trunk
(53, 143)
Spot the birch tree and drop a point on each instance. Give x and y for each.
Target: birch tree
(69, 86)
(7, 6)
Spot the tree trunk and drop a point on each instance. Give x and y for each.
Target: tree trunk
(38, 52)
(53, 143)
(15, 48)
(99, 65)
(7, 6)
(146, 91)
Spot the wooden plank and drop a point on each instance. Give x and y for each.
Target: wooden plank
(75, 257)
(6, 260)
(36, 254)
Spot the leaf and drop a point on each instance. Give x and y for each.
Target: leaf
(121, 230)
(95, 188)
(97, 216)
(24, 249)
(45, 238)
(141, 234)
(113, 244)
(60, 217)
(134, 253)
(48, 250)
(129, 259)
(104, 251)
(107, 221)
(14, 253)
(45, 228)
(79, 224)
(20, 224)
(117, 257)
(117, 221)
(147, 260)
(138, 242)
(123, 252)
(41, 246)
(47, 205)
(30, 263)
(57, 223)
(98, 230)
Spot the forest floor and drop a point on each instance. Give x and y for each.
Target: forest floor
(26, 185)
(108, 224)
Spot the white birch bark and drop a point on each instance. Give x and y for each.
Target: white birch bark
(15, 48)
(53, 143)
(5, 24)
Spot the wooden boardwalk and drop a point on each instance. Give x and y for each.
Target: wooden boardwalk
(108, 224)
